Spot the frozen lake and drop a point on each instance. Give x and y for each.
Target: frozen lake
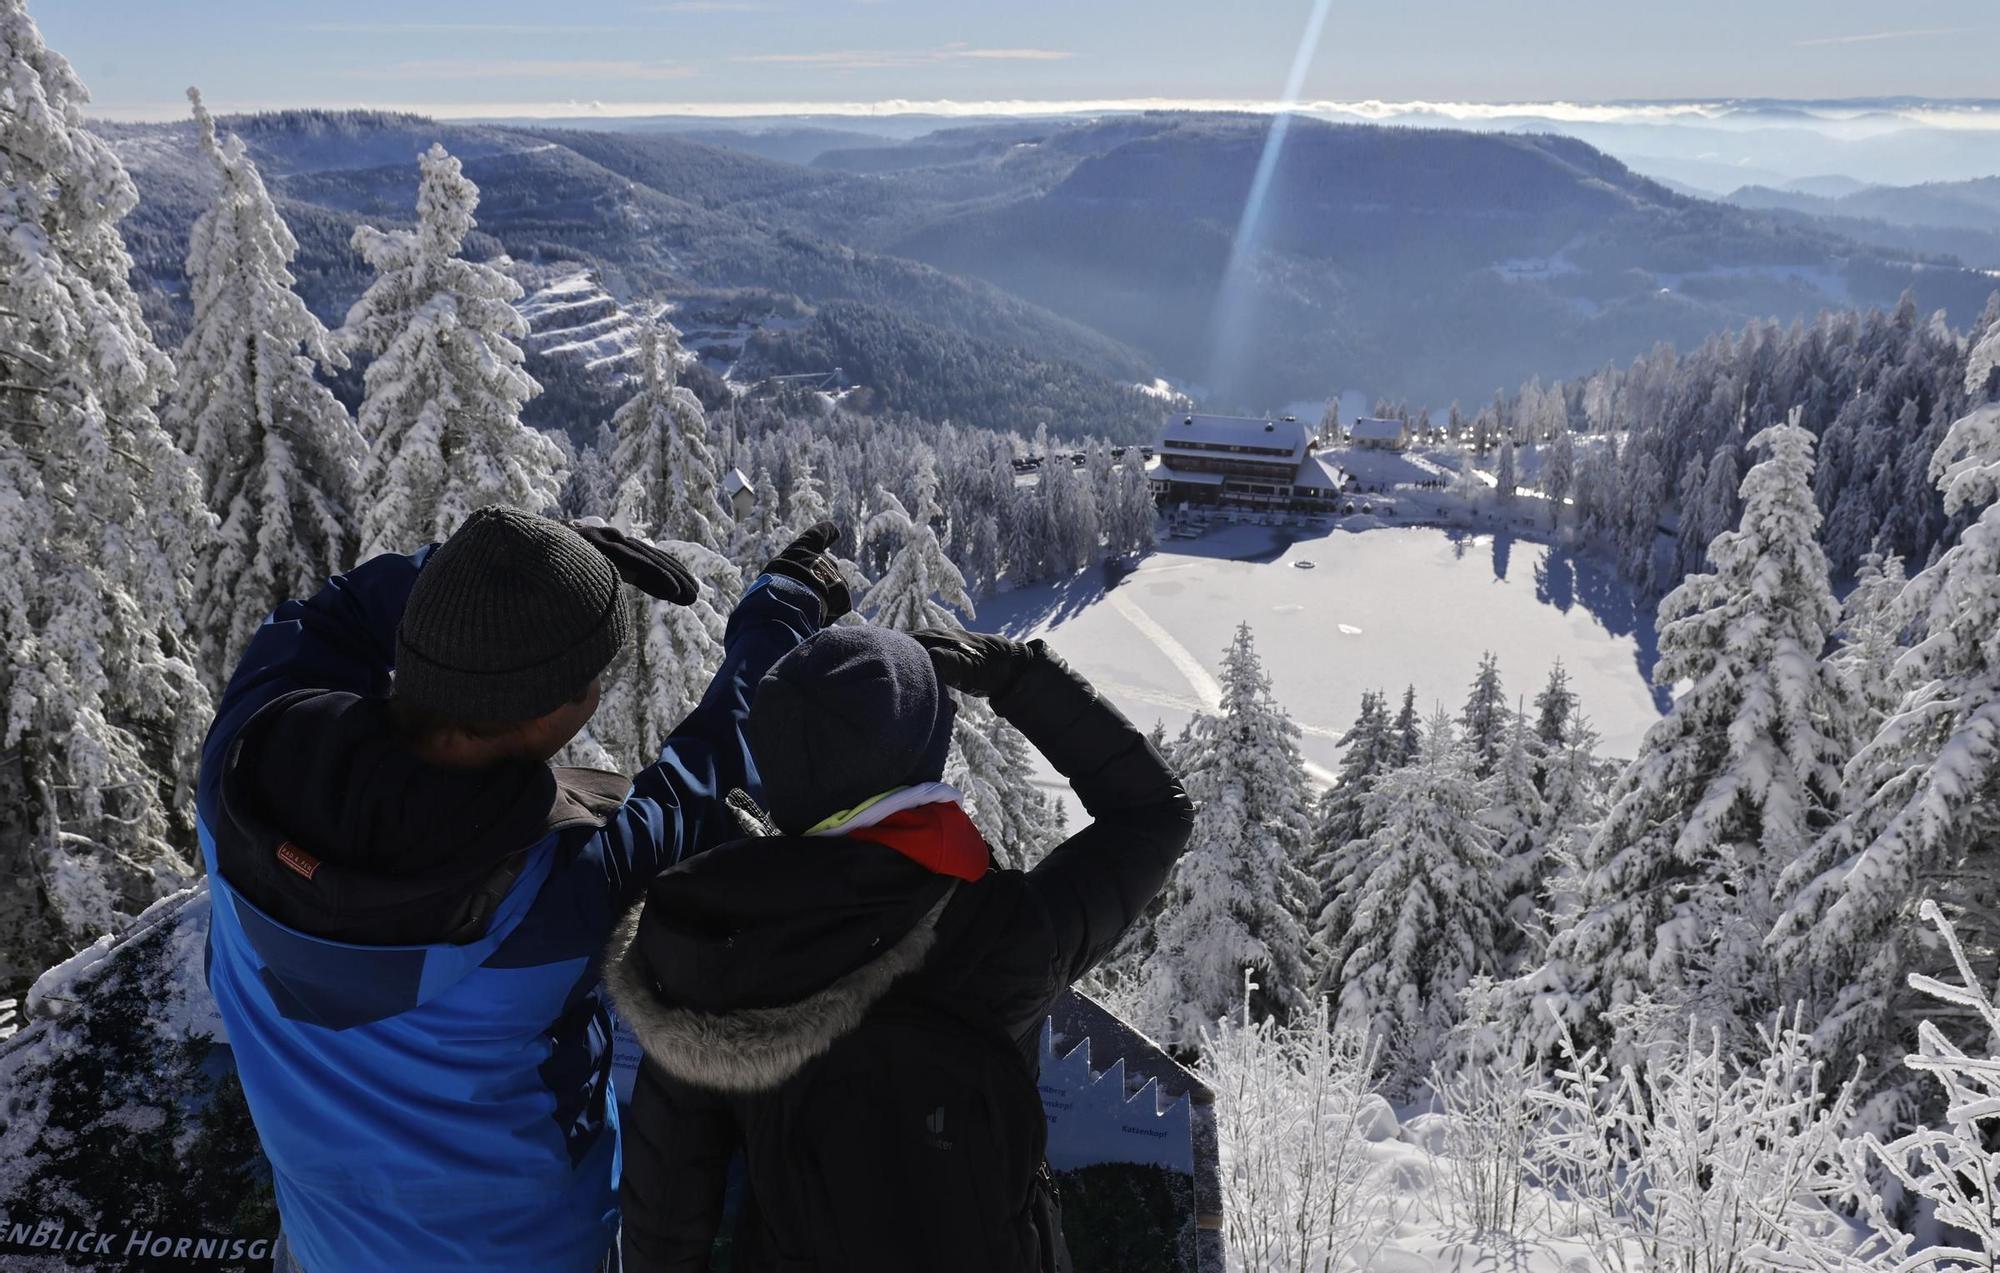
(1378, 609)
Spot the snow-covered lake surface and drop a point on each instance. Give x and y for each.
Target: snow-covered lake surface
(1380, 608)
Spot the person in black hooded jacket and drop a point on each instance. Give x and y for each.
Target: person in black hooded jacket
(815, 995)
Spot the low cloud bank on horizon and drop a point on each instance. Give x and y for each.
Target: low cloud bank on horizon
(1981, 115)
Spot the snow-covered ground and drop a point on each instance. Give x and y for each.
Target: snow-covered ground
(1378, 608)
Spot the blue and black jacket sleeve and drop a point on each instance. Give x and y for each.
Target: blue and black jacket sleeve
(677, 804)
(343, 637)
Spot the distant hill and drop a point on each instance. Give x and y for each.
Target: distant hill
(1973, 205)
(1954, 218)
(1430, 263)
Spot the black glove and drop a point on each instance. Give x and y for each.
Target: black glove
(974, 663)
(809, 560)
(653, 571)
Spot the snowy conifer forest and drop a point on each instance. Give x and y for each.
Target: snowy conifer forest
(1724, 1003)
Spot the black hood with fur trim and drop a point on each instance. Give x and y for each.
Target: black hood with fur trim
(742, 964)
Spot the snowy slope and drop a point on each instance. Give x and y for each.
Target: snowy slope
(571, 316)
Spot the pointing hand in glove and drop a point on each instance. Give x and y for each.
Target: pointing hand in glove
(651, 570)
(809, 560)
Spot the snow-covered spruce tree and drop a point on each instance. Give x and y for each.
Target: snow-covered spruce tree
(1367, 751)
(591, 488)
(1924, 793)
(1513, 809)
(442, 409)
(1728, 788)
(1426, 918)
(276, 453)
(666, 463)
(1872, 628)
(1559, 471)
(1406, 732)
(1242, 896)
(805, 497)
(989, 761)
(1485, 718)
(661, 436)
(1505, 479)
(1343, 818)
(1069, 511)
(1572, 785)
(100, 522)
(1553, 708)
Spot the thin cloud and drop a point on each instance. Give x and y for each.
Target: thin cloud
(455, 28)
(526, 69)
(712, 6)
(892, 59)
(1873, 37)
(1942, 115)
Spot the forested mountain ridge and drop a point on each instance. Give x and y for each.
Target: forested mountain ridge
(1011, 274)
(543, 201)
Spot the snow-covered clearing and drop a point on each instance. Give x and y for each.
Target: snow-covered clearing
(1380, 608)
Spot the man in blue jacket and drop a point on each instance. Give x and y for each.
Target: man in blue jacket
(410, 904)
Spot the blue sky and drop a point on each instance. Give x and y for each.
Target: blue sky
(460, 57)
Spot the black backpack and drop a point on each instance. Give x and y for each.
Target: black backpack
(925, 1135)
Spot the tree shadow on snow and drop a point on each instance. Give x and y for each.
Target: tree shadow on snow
(1274, 541)
(1015, 614)
(1564, 580)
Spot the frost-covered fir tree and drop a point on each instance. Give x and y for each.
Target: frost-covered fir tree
(1728, 788)
(921, 588)
(669, 465)
(442, 409)
(1871, 639)
(1406, 732)
(1505, 478)
(591, 488)
(1571, 781)
(1559, 471)
(1368, 749)
(1924, 792)
(1069, 511)
(805, 497)
(1343, 818)
(661, 435)
(1130, 518)
(100, 521)
(1426, 916)
(1553, 708)
(1242, 896)
(276, 453)
(1485, 718)
(989, 761)
(1513, 808)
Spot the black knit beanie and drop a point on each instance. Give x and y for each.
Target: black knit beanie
(849, 714)
(510, 618)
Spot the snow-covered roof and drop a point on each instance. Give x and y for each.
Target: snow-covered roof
(1320, 473)
(1378, 430)
(734, 481)
(1219, 432)
(1162, 472)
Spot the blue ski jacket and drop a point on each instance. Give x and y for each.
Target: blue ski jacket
(407, 958)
